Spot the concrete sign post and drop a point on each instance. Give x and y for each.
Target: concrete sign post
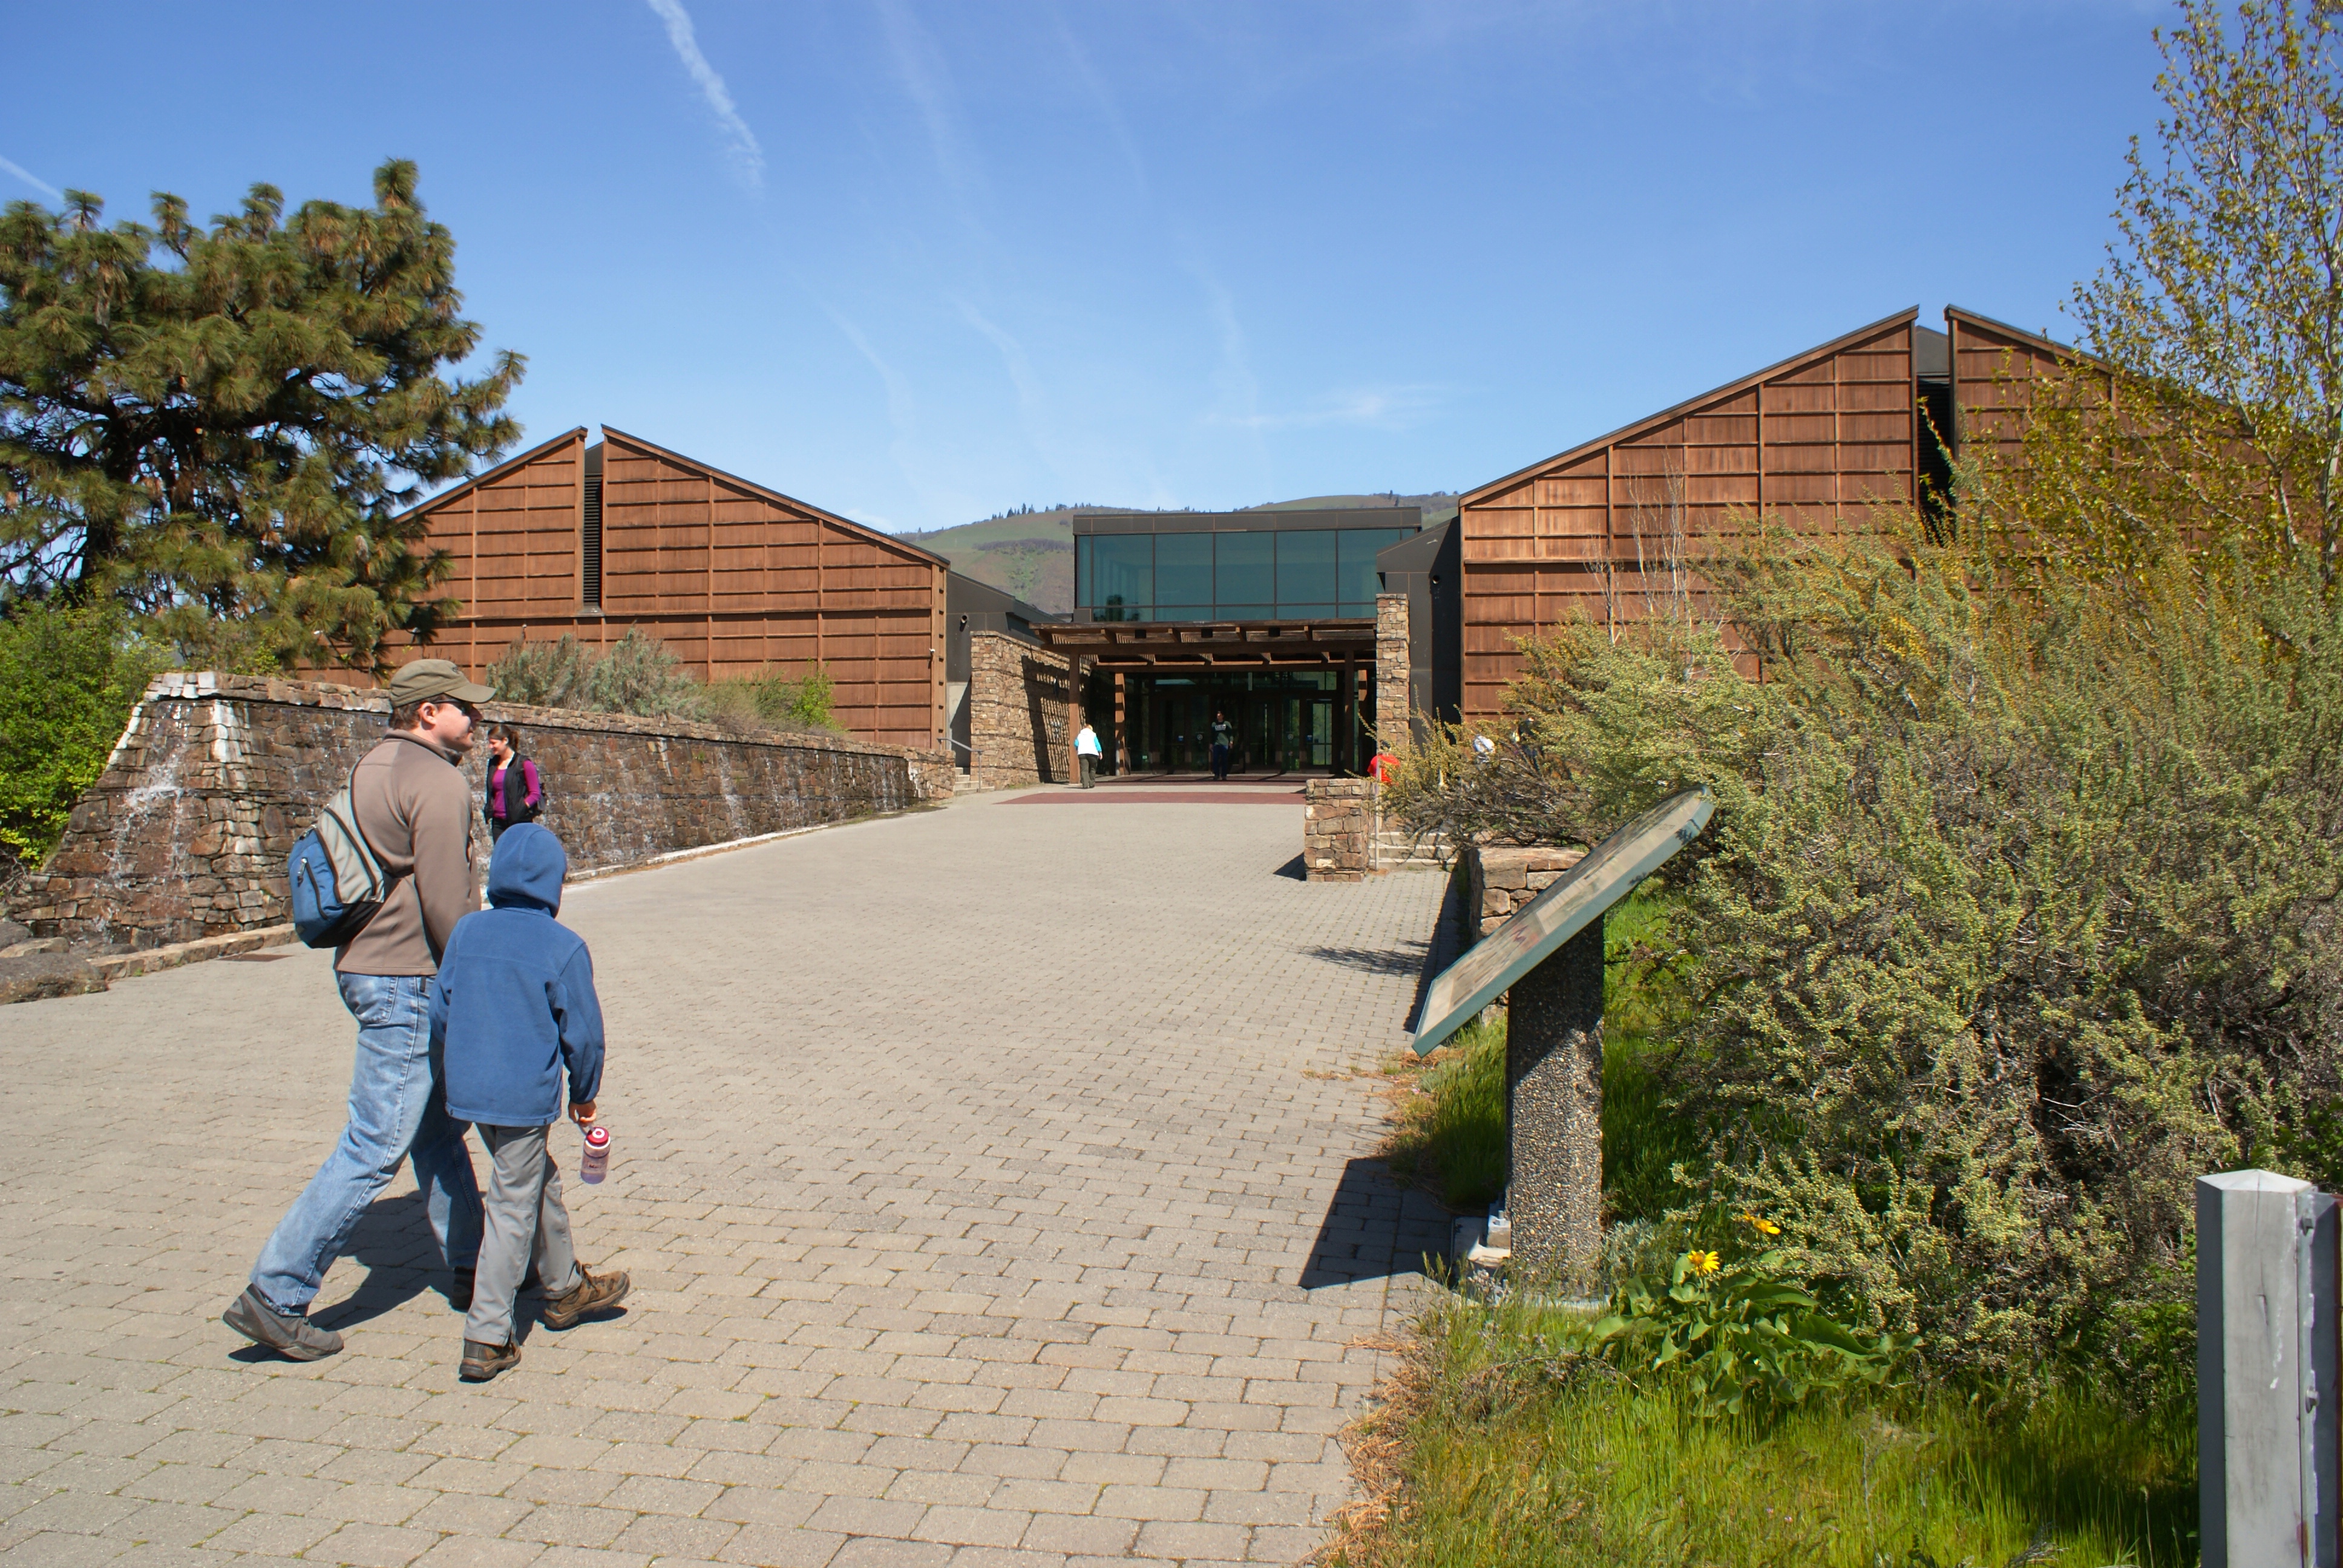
(2266, 1372)
(1549, 956)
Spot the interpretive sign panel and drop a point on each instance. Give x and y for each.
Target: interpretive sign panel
(1579, 898)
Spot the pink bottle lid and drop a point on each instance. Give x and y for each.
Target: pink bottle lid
(597, 1137)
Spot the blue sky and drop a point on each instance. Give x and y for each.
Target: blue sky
(919, 262)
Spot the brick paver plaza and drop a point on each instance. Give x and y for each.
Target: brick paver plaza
(991, 1187)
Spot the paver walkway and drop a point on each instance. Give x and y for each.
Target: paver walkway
(983, 1199)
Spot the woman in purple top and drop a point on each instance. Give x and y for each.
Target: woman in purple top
(514, 793)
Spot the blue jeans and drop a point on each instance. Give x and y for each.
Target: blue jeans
(398, 1106)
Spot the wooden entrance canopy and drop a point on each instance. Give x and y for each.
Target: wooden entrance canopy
(1169, 647)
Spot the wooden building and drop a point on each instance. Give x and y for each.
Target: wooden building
(598, 538)
(1820, 441)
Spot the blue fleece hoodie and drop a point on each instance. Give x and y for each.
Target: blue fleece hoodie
(514, 999)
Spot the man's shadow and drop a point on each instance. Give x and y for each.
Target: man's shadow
(393, 1243)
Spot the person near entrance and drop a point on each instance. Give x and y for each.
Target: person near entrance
(1086, 748)
(415, 811)
(1224, 735)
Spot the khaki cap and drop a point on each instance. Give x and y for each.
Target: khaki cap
(428, 679)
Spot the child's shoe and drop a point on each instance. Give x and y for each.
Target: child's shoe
(592, 1294)
(482, 1362)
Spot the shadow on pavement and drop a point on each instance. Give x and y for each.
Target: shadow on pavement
(1374, 1229)
(1294, 869)
(393, 1243)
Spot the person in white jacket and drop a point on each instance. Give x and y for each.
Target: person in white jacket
(1086, 748)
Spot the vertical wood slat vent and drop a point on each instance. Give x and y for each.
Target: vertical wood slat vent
(591, 576)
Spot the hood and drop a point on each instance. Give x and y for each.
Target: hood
(526, 868)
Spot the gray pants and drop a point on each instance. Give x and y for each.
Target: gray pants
(524, 1223)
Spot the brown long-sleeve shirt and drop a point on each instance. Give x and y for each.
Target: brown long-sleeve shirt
(416, 811)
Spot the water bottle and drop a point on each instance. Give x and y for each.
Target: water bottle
(596, 1163)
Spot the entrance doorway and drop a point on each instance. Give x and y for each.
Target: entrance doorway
(1285, 721)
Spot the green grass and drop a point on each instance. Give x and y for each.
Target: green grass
(1488, 1454)
(1488, 1451)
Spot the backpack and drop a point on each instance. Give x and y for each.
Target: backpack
(335, 883)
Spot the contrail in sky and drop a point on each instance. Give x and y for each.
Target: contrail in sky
(745, 152)
(30, 179)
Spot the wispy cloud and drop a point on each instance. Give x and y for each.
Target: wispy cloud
(928, 79)
(32, 179)
(748, 157)
(1374, 408)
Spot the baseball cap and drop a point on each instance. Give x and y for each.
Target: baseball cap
(429, 679)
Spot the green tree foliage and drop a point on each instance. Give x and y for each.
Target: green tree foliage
(2214, 412)
(2017, 913)
(220, 425)
(68, 680)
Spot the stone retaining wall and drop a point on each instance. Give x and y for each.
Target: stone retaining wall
(184, 836)
(1338, 823)
(1016, 701)
(1501, 878)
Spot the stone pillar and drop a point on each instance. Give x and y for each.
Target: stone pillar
(2266, 1371)
(1337, 815)
(1553, 1116)
(1391, 672)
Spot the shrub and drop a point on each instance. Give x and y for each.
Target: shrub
(2017, 913)
(639, 674)
(68, 680)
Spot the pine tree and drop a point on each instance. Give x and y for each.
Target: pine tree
(218, 428)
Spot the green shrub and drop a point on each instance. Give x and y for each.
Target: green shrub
(68, 680)
(2017, 915)
(1746, 1337)
(638, 673)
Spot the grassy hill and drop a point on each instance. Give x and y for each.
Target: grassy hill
(1030, 553)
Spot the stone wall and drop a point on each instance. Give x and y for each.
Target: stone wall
(1501, 878)
(1338, 821)
(1017, 702)
(186, 834)
(1391, 672)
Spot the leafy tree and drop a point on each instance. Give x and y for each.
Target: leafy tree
(220, 427)
(68, 679)
(2218, 320)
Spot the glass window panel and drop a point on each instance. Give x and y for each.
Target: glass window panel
(1358, 565)
(1306, 569)
(1288, 610)
(1082, 570)
(1123, 570)
(1226, 611)
(1184, 569)
(1244, 575)
(1113, 610)
(1183, 612)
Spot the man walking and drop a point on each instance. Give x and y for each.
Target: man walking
(1086, 750)
(1224, 735)
(416, 812)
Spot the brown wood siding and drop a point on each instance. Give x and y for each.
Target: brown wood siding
(1818, 442)
(732, 576)
(1994, 367)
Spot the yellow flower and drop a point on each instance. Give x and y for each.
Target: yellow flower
(1702, 1262)
(1764, 1227)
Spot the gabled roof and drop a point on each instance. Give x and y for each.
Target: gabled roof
(506, 466)
(1692, 405)
(1953, 313)
(874, 535)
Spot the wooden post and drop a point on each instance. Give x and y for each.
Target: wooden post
(1553, 1115)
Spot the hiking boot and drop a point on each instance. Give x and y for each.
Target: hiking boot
(459, 1295)
(592, 1294)
(482, 1362)
(290, 1334)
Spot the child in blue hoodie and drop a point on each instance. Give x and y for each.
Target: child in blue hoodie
(514, 1005)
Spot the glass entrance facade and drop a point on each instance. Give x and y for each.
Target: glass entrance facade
(1263, 574)
(1286, 721)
